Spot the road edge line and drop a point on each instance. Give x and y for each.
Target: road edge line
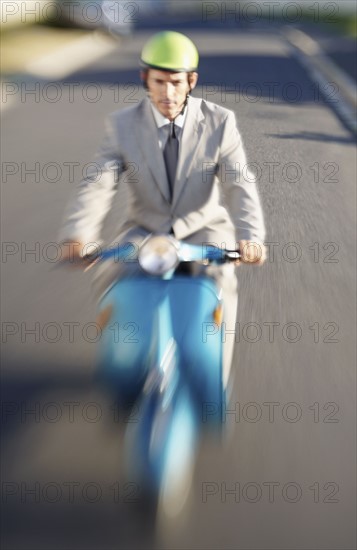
(324, 71)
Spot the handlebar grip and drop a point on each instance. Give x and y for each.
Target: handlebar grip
(232, 255)
(85, 261)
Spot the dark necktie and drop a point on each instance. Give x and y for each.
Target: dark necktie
(171, 156)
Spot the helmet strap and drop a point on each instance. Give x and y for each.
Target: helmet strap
(184, 105)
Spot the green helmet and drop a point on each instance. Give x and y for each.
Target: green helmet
(170, 51)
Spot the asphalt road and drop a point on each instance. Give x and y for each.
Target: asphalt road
(286, 477)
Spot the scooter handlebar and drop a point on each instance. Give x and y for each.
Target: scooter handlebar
(186, 253)
(232, 255)
(207, 254)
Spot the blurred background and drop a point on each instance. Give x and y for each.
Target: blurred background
(285, 478)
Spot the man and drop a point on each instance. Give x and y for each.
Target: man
(189, 179)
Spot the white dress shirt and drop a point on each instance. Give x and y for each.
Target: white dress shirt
(163, 125)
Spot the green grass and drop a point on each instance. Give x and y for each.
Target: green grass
(347, 25)
(341, 24)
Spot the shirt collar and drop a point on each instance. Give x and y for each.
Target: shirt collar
(163, 121)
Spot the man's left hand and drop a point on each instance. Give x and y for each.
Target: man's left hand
(252, 253)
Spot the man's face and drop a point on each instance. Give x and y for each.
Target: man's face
(168, 91)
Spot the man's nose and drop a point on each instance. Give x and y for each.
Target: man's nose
(169, 89)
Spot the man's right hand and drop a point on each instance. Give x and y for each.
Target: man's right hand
(72, 254)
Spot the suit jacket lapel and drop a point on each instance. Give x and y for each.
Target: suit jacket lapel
(146, 135)
(191, 136)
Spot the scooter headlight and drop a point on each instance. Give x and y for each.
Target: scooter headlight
(158, 255)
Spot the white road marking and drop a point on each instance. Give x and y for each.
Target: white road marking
(73, 56)
(302, 41)
(324, 71)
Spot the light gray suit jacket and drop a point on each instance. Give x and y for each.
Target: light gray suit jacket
(215, 197)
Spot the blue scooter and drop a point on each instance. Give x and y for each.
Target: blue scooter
(164, 363)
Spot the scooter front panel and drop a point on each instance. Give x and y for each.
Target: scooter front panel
(130, 339)
(127, 344)
(199, 337)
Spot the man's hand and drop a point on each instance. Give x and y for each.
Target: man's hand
(72, 254)
(252, 253)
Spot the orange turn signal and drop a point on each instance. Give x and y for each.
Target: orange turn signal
(104, 316)
(218, 315)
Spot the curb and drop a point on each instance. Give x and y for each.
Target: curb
(324, 71)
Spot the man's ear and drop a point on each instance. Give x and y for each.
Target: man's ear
(192, 80)
(143, 77)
